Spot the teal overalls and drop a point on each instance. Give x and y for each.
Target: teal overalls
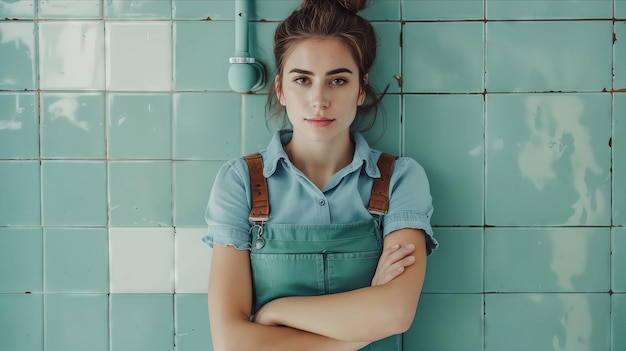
(311, 260)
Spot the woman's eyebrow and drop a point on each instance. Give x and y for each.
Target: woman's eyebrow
(329, 73)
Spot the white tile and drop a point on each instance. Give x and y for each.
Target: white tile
(141, 260)
(193, 260)
(139, 56)
(71, 55)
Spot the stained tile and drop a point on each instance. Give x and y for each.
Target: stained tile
(144, 9)
(140, 193)
(273, 10)
(208, 10)
(442, 10)
(18, 47)
(193, 261)
(618, 320)
(387, 69)
(17, 9)
(20, 193)
(76, 322)
(139, 56)
(452, 125)
(257, 130)
(562, 259)
(192, 323)
(547, 321)
(207, 67)
(439, 315)
(154, 272)
(71, 119)
(541, 56)
(457, 266)
(141, 322)
(192, 184)
(76, 260)
(443, 57)
(548, 9)
(74, 193)
(71, 55)
(24, 329)
(215, 133)
(618, 250)
(548, 149)
(57, 9)
(619, 165)
(19, 135)
(386, 132)
(21, 262)
(619, 52)
(145, 117)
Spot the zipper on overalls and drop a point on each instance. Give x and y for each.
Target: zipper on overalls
(326, 277)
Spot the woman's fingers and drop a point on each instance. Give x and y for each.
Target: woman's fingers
(392, 263)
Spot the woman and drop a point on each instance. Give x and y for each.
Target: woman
(319, 242)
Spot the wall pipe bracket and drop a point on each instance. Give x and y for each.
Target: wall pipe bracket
(245, 73)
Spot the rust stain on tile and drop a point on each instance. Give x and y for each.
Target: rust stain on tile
(399, 79)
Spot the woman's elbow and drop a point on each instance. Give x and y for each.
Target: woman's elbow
(401, 319)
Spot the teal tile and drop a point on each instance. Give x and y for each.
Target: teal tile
(21, 252)
(206, 10)
(144, 9)
(619, 52)
(619, 164)
(548, 9)
(382, 10)
(521, 322)
(19, 135)
(618, 321)
(385, 134)
(618, 250)
(62, 9)
(447, 322)
(18, 46)
(548, 149)
(192, 322)
(76, 322)
(443, 57)
(453, 126)
(261, 47)
(76, 260)
(198, 66)
(387, 70)
(20, 200)
(207, 126)
(142, 322)
(457, 266)
(620, 9)
(541, 56)
(193, 181)
(72, 55)
(21, 322)
(257, 130)
(17, 9)
(139, 117)
(547, 259)
(140, 194)
(442, 10)
(272, 10)
(74, 193)
(71, 119)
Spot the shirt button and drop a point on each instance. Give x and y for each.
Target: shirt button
(322, 202)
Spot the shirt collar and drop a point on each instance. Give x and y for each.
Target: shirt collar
(362, 154)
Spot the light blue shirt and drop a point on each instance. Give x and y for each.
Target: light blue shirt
(294, 199)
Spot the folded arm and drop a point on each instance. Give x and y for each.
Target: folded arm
(365, 314)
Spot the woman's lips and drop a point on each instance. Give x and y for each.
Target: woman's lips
(320, 122)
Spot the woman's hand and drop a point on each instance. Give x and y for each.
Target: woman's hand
(392, 262)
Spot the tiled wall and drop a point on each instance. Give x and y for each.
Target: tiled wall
(116, 114)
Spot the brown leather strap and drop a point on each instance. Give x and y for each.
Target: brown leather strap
(260, 204)
(379, 200)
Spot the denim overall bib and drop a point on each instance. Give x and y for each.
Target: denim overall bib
(311, 260)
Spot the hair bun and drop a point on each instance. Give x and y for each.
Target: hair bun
(352, 6)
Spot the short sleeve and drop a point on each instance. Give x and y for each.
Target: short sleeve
(410, 201)
(229, 207)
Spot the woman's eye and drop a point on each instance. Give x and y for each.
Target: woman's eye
(301, 80)
(338, 81)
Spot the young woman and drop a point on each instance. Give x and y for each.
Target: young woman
(319, 242)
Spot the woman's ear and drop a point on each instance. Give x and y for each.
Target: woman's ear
(362, 93)
(279, 90)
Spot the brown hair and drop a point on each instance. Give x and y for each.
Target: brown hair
(324, 19)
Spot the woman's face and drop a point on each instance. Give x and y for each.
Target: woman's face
(320, 89)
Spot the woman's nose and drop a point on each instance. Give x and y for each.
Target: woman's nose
(320, 97)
